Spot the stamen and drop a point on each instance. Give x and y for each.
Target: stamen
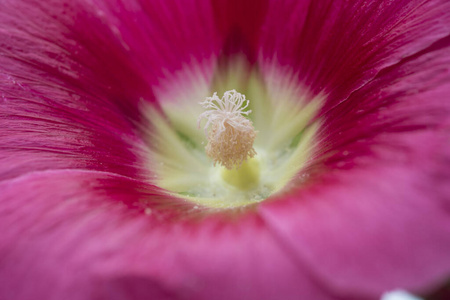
(230, 135)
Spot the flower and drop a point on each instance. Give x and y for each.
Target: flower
(106, 195)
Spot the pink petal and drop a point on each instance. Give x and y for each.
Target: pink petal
(72, 77)
(362, 235)
(239, 23)
(375, 216)
(113, 49)
(338, 46)
(72, 235)
(50, 127)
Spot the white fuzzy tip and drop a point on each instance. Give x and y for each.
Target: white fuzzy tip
(230, 135)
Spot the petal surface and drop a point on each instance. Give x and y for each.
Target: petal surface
(47, 127)
(337, 46)
(80, 237)
(375, 216)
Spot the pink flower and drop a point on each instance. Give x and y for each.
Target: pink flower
(104, 193)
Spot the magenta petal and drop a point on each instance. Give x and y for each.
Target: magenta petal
(239, 23)
(111, 49)
(409, 97)
(376, 214)
(70, 230)
(363, 235)
(49, 127)
(63, 106)
(338, 46)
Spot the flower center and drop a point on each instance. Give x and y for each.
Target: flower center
(238, 165)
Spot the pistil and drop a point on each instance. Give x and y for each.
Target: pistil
(230, 135)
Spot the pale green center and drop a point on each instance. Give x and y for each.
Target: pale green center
(246, 177)
(281, 114)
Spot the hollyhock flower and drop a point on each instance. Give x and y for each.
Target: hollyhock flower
(107, 191)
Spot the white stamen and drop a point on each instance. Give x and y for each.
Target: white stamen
(231, 136)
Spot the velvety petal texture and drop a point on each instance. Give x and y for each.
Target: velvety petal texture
(94, 247)
(395, 126)
(82, 217)
(338, 46)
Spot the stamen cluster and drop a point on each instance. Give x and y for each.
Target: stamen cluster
(230, 135)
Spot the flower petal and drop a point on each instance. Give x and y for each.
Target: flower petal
(80, 237)
(46, 126)
(338, 46)
(364, 236)
(117, 48)
(375, 216)
(239, 22)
